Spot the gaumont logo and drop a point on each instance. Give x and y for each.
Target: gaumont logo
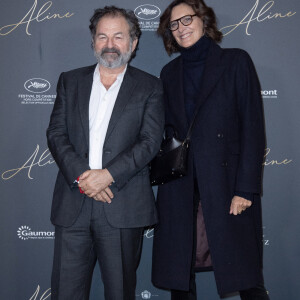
(147, 12)
(37, 85)
(146, 295)
(25, 233)
(269, 94)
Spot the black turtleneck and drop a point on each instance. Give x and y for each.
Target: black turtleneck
(194, 59)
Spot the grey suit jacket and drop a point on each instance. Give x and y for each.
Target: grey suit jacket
(133, 138)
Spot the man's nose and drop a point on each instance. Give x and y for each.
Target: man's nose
(110, 43)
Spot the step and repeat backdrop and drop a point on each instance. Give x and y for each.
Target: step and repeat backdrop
(39, 39)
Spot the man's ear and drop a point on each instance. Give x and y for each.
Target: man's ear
(134, 43)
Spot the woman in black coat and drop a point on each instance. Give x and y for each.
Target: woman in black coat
(211, 218)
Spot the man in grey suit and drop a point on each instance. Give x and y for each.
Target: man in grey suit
(105, 128)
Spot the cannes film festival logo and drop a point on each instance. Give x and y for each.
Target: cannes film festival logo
(25, 233)
(147, 12)
(37, 85)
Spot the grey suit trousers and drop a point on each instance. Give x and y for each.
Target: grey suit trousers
(92, 238)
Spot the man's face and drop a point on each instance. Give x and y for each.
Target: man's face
(112, 42)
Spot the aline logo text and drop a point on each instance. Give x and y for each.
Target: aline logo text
(257, 15)
(35, 160)
(34, 14)
(274, 162)
(43, 296)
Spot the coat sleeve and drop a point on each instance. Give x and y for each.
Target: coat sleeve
(70, 163)
(252, 134)
(130, 161)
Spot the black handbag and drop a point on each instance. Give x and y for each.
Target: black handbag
(172, 159)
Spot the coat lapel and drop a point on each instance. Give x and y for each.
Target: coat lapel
(84, 92)
(124, 95)
(176, 94)
(212, 72)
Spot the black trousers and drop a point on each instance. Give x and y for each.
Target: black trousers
(256, 293)
(92, 238)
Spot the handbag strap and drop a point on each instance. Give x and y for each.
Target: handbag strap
(189, 133)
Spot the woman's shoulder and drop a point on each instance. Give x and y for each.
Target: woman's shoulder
(236, 58)
(170, 66)
(235, 54)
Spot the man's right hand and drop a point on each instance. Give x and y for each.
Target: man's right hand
(93, 182)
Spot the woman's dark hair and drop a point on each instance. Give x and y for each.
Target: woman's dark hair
(204, 12)
(113, 11)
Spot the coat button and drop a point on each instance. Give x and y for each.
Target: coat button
(220, 135)
(224, 164)
(85, 155)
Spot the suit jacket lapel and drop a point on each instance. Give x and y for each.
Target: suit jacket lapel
(124, 95)
(84, 92)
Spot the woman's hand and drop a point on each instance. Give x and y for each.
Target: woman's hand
(238, 205)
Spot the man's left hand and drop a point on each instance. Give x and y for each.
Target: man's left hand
(238, 205)
(104, 196)
(93, 182)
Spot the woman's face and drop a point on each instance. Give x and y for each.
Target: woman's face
(186, 36)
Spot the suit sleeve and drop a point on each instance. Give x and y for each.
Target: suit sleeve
(69, 162)
(130, 161)
(252, 134)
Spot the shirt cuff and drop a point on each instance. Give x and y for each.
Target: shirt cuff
(75, 183)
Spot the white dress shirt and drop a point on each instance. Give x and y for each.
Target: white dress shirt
(101, 105)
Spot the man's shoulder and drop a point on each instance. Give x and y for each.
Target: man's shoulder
(80, 71)
(142, 76)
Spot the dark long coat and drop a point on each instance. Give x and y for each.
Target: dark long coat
(227, 148)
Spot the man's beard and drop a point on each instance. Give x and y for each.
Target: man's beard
(112, 57)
